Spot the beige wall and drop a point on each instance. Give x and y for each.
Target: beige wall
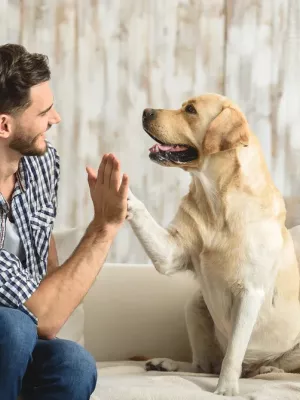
(110, 59)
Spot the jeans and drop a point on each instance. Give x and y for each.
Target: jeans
(41, 369)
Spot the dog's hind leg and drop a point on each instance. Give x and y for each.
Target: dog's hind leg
(207, 357)
(288, 362)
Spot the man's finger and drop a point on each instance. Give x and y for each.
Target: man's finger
(91, 173)
(108, 169)
(101, 169)
(92, 177)
(123, 191)
(115, 175)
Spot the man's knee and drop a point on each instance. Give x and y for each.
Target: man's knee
(76, 366)
(18, 335)
(76, 356)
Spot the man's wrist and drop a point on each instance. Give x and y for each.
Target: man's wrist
(103, 231)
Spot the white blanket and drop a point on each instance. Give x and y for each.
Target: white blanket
(129, 381)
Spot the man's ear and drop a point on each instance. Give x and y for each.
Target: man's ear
(227, 131)
(5, 126)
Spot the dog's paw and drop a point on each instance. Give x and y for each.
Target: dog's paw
(130, 205)
(129, 214)
(227, 386)
(265, 369)
(268, 370)
(161, 364)
(133, 205)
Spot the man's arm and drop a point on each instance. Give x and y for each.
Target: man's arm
(62, 291)
(52, 264)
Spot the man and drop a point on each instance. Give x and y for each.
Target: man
(36, 297)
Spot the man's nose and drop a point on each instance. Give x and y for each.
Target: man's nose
(55, 117)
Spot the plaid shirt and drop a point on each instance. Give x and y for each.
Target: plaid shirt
(33, 209)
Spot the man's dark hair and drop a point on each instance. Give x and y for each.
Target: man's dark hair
(19, 71)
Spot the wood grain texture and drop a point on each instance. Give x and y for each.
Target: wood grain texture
(110, 59)
(262, 76)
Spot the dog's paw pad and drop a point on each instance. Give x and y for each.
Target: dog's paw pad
(161, 364)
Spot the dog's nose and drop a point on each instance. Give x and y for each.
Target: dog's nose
(148, 114)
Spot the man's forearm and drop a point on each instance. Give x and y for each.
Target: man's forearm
(52, 257)
(63, 290)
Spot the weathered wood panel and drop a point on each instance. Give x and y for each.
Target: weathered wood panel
(262, 75)
(110, 60)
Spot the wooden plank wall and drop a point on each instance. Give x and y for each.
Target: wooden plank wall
(110, 59)
(262, 75)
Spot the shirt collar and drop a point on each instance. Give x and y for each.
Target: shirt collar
(24, 177)
(3, 204)
(24, 174)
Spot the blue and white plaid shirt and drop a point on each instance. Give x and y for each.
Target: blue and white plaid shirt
(33, 209)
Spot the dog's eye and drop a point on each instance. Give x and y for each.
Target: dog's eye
(190, 109)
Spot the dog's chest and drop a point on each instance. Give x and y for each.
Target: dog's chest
(230, 263)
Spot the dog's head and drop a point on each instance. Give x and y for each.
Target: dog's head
(203, 126)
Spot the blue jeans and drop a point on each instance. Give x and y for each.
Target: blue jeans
(41, 369)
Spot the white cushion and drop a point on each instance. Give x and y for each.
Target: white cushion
(129, 380)
(133, 310)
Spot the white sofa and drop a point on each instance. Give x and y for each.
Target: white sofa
(131, 310)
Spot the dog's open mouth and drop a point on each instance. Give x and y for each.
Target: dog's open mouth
(175, 153)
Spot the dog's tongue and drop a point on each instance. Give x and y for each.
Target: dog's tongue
(157, 147)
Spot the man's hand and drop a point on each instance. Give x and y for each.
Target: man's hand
(109, 195)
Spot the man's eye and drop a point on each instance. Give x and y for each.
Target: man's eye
(190, 109)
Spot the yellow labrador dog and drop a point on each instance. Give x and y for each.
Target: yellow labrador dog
(230, 231)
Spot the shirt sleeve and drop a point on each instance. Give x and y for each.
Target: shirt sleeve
(16, 285)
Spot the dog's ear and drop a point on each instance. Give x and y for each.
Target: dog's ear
(227, 131)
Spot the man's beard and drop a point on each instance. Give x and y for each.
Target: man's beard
(26, 145)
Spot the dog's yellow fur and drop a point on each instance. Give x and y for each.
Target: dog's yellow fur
(230, 231)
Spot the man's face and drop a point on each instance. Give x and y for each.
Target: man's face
(29, 128)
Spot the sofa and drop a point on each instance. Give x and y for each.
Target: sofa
(132, 311)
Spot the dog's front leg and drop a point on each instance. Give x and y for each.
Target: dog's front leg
(163, 248)
(246, 307)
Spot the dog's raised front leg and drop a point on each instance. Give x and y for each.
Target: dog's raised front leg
(246, 307)
(164, 249)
